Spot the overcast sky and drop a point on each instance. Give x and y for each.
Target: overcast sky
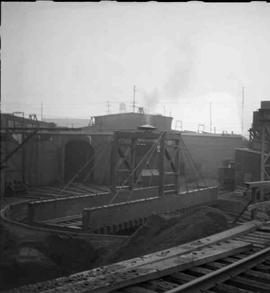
(74, 57)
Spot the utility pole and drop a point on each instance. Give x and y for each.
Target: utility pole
(242, 108)
(133, 103)
(41, 111)
(210, 117)
(108, 107)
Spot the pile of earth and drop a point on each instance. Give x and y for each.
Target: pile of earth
(231, 206)
(34, 261)
(164, 231)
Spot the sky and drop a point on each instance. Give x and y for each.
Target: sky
(83, 59)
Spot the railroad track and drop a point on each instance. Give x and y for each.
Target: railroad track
(244, 272)
(236, 260)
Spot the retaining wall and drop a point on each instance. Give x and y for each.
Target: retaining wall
(61, 207)
(133, 213)
(12, 215)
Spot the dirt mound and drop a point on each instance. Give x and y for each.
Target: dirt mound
(26, 265)
(230, 206)
(70, 254)
(33, 261)
(163, 231)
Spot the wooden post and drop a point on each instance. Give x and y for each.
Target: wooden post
(161, 164)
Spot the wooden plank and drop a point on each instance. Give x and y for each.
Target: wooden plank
(225, 288)
(258, 239)
(264, 268)
(137, 289)
(109, 281)
(200, 270)
(257, 184)
(182, 277)
(160, 285)
(263, 277)
(251, 284)
(260, 234)
(254, 240)
(214, 265)
(264, 229)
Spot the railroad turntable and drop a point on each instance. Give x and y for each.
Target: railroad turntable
(130, 212)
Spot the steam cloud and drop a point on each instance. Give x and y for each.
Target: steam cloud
(151, 100)
(179, 80)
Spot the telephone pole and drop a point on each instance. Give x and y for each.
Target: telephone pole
(243, 103)
(108, 107)
(210, 117)
(133, 103)
(41, 111)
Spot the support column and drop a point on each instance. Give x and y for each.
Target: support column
(23, 159)
(262, 161)
(133, 162)
(114, 161)
(161, 164)
(62, 154)
(177, 167)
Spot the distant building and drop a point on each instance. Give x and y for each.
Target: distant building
(248, 163)
(131, 121)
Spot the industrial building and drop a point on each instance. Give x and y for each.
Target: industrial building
(51, 154)
(252, 161)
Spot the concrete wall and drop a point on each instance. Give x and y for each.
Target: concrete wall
(136, 211)
(11, 217)
(102, 147)
(44, 159)
(41, 161)
(208, 151)
(56, 208)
